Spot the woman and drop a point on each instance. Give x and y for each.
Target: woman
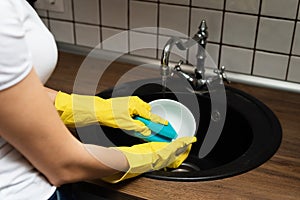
(37, 152)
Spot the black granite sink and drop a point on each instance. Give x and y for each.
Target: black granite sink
(250, 133)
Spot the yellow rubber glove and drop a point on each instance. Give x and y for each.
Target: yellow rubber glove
(153, 156)
(82, 110)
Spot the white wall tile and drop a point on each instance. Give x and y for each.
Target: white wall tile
(143, 14)
(183, 2)
(174, 18)
(143, 44)
(296, 45)
(246, 6)
(270, 65)
(218, 4)
(213, 19)
(294, 69)
(62, 31)
(114, 13)
(236, 59)
(86, 11)
(275, 35)
(299, 13)
(45, 21)
(67, 14)
(87, 35)
(115, 40)
(239, 29)
(279, 8)
(41, 13)
(212, 55)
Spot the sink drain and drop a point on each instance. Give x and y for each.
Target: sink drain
(185, 167)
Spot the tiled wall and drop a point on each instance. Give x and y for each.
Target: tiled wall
(254, 37)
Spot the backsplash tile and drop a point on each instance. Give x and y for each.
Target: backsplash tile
(42, 13)
(174, 17)
(270, 65)
(275, 35)
(212, 55)
(143, 14)
(217, 4)
(62, 31)
(46, 22)
(115, 40)
(86, 11)
(114, 13)
(298, 11)
(237, 59)
(67, 14)
(142, 44)
(296, 45)
(294, 69)
(255, 37)
(87, 35)
(183, 2)
(213, 19)
(245, 6)
(279, 8)
(239, 29)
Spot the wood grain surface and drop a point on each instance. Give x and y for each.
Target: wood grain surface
(278, 178)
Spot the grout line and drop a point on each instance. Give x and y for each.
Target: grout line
(261, 81)
(292, 42)
(48, 19)
(128, 27)
(173, 4)
(256, 36)
(112, 27)
(74, 23)
(100, 24)
(221, 36)
(158, 32)
(189, 30)
(190, 7)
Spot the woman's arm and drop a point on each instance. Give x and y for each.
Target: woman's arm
(51, 93)
(31, 124)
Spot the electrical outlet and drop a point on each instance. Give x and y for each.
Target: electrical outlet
(51, 5)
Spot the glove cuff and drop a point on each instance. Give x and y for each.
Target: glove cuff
(62, 100)
(138, 164)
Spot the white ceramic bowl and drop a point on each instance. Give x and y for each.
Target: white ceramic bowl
(180, 117)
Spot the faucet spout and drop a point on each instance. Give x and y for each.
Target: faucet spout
(173, 41)
(199, 38)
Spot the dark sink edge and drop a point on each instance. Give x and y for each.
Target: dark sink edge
(244, 163)
(225, 171)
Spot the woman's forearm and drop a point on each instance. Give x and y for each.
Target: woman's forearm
(44, 140)
(51, 93)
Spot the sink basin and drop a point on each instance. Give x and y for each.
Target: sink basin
(251, 133)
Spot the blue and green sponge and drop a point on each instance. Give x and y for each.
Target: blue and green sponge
(159, 132)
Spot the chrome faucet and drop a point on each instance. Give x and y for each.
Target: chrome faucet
(196, 76)
(201, 38)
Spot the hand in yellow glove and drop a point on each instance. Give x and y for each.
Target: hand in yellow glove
(153, 156)
(82, 110)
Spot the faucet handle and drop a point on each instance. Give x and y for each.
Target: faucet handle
(177, 70)
(221, 73)
(177, 66)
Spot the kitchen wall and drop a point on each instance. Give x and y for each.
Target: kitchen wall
(260, 38)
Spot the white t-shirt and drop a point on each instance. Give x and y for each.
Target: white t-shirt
(25, 42)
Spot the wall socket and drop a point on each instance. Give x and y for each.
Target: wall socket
(51, 5)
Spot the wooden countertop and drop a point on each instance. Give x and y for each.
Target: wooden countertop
(278, 178)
